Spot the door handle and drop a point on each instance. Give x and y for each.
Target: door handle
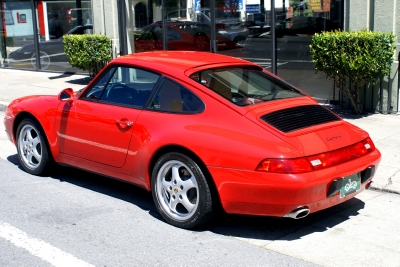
(124, 123)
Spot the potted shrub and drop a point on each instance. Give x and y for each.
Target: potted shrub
(353, 58)
(89, 52)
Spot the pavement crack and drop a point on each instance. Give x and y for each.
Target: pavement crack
(389, 182)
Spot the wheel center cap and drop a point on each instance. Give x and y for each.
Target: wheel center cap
(175, 190)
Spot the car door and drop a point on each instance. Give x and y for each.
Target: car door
(98, 126)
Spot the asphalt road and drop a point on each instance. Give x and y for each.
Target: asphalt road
(75, 218)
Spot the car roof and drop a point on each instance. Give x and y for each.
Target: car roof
(170, 62)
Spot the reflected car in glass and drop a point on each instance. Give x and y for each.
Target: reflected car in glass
(202, 132)
(182, 35)
(50, 52)
(227, 23)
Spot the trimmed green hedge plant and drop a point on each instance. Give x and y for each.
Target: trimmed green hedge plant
(353, 57)
(89, 52)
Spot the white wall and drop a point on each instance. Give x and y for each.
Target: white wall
(382, 16)
(20, 29)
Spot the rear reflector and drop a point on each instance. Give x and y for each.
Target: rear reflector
(317, 162)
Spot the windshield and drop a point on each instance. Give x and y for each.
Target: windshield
(245, 86)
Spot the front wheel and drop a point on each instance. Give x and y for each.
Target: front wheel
(33, 151)
(180, 191)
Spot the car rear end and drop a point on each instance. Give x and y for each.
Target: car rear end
(322, 161)
(339, 159)
(226, 24)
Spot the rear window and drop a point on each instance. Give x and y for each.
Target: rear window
(245, 85)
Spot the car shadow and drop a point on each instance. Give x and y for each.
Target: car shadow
(266, 229)
(81, 81)
(262, 229)
(62, 75)
(105, 185)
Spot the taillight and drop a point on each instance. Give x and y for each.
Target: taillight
(285, 165)
(332, 158)
(317, 162)
(221, 26)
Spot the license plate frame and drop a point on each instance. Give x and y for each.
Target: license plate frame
(350, 184)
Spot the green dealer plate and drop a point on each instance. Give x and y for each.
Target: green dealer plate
(350, 184)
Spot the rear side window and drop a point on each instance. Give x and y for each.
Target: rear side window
(173, 97)
(245, 85)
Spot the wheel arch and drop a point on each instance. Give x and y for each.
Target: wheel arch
(20, 117)
(26, 115)
(183, 150)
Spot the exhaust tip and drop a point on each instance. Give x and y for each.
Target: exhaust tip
(298, 213)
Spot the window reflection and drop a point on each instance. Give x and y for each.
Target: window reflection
(54, 20)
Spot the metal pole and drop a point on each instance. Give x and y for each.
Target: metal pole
(79, 12)
(389, 105)
(164, 24)
(365, 96)
(398, 84)
(273, 38)
(213, 40)
(334, 93)
(123, 49)
(35, 35)
(381, 96)
(372, 98)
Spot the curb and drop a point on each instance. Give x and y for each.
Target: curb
(380, 189)
(3, 105)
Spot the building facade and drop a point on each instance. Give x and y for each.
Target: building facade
(248, 29)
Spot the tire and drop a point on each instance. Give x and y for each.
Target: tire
(33, 151)
(180, 191)
(44, 60)
(202, 42)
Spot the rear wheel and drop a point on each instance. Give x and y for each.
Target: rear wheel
(180, 191)
(33, 151)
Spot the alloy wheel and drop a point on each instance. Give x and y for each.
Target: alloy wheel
(30, 146)
(177, 190)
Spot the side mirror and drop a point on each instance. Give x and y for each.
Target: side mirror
(66, 94)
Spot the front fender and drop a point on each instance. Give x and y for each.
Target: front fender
(41, 108)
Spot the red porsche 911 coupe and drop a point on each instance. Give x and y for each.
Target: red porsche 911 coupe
(200, 131)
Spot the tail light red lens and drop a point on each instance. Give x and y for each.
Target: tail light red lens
(317, 162)
(285, 165)
(221, 26)
(342, 155)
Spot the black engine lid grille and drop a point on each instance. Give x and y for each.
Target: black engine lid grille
(292, 119)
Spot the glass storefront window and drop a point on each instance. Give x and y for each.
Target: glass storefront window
(243, 29)
(296, 21)
(54, 20)
(16, 34)
(303, 20)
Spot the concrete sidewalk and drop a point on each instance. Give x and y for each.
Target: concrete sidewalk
(383, 129)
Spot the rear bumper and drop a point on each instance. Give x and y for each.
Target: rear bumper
(272, 194)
